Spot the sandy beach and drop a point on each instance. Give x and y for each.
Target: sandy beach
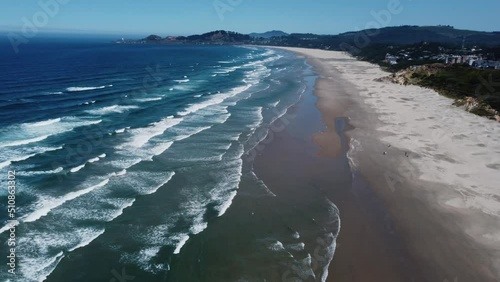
(425, 198)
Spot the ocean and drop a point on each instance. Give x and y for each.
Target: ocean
(125, 155)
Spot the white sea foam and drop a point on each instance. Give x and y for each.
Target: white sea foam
(29, 173)
(160, 148)
(121, 208)
(44, 206)
(111, 110)
(93, 160)
(261, 183)
(39, 270)
(23, 142)
(39, 131)
(191, 132)
(75, 169)
(330, 251)
(274, 104)
(226, 204)
(17, 159)
(181, 80)
(155, 188)
(182, 239)
(198, 226)
(214, 100)
(141, 136)
(143, 259)
(149, 99)
(9, 225)
(227, 70)
(87, 239)
(296, 247)
(277, 246)
(78, 89)
(42, 123)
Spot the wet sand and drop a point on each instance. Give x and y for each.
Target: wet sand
(423, 204)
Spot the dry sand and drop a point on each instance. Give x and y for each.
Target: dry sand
(434, 170)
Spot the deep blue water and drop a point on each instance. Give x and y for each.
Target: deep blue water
(96, 131)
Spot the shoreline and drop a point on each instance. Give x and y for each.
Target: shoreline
(434, 223)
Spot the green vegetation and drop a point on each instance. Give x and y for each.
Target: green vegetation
(461, 82)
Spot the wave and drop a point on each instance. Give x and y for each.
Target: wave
(226, 70)
(46, 205)
(39, 131)
(148, 99)
(214, 100)
(182, 80)
(141, 136)
(39, 270)
(191, 133)
(111, 109)
(160, 149)
(75, 169)
(182, 239)
(85, 241)
(43, 123)
(78, 89)
(273, 105)
(93, 160)
(122, 130)
(277, 246)
(23, 142)
(155, 188)
(143, 257)
(31, 173)
(26, 154)
(226, 204)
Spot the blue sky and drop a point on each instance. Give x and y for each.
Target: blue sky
(176, 17)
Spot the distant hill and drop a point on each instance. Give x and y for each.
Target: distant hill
(268, 34)
(348, 41)
(214, 37)
(217, 36)
(399, 35)
(415, 34)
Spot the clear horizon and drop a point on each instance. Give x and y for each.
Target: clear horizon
(194, 16)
